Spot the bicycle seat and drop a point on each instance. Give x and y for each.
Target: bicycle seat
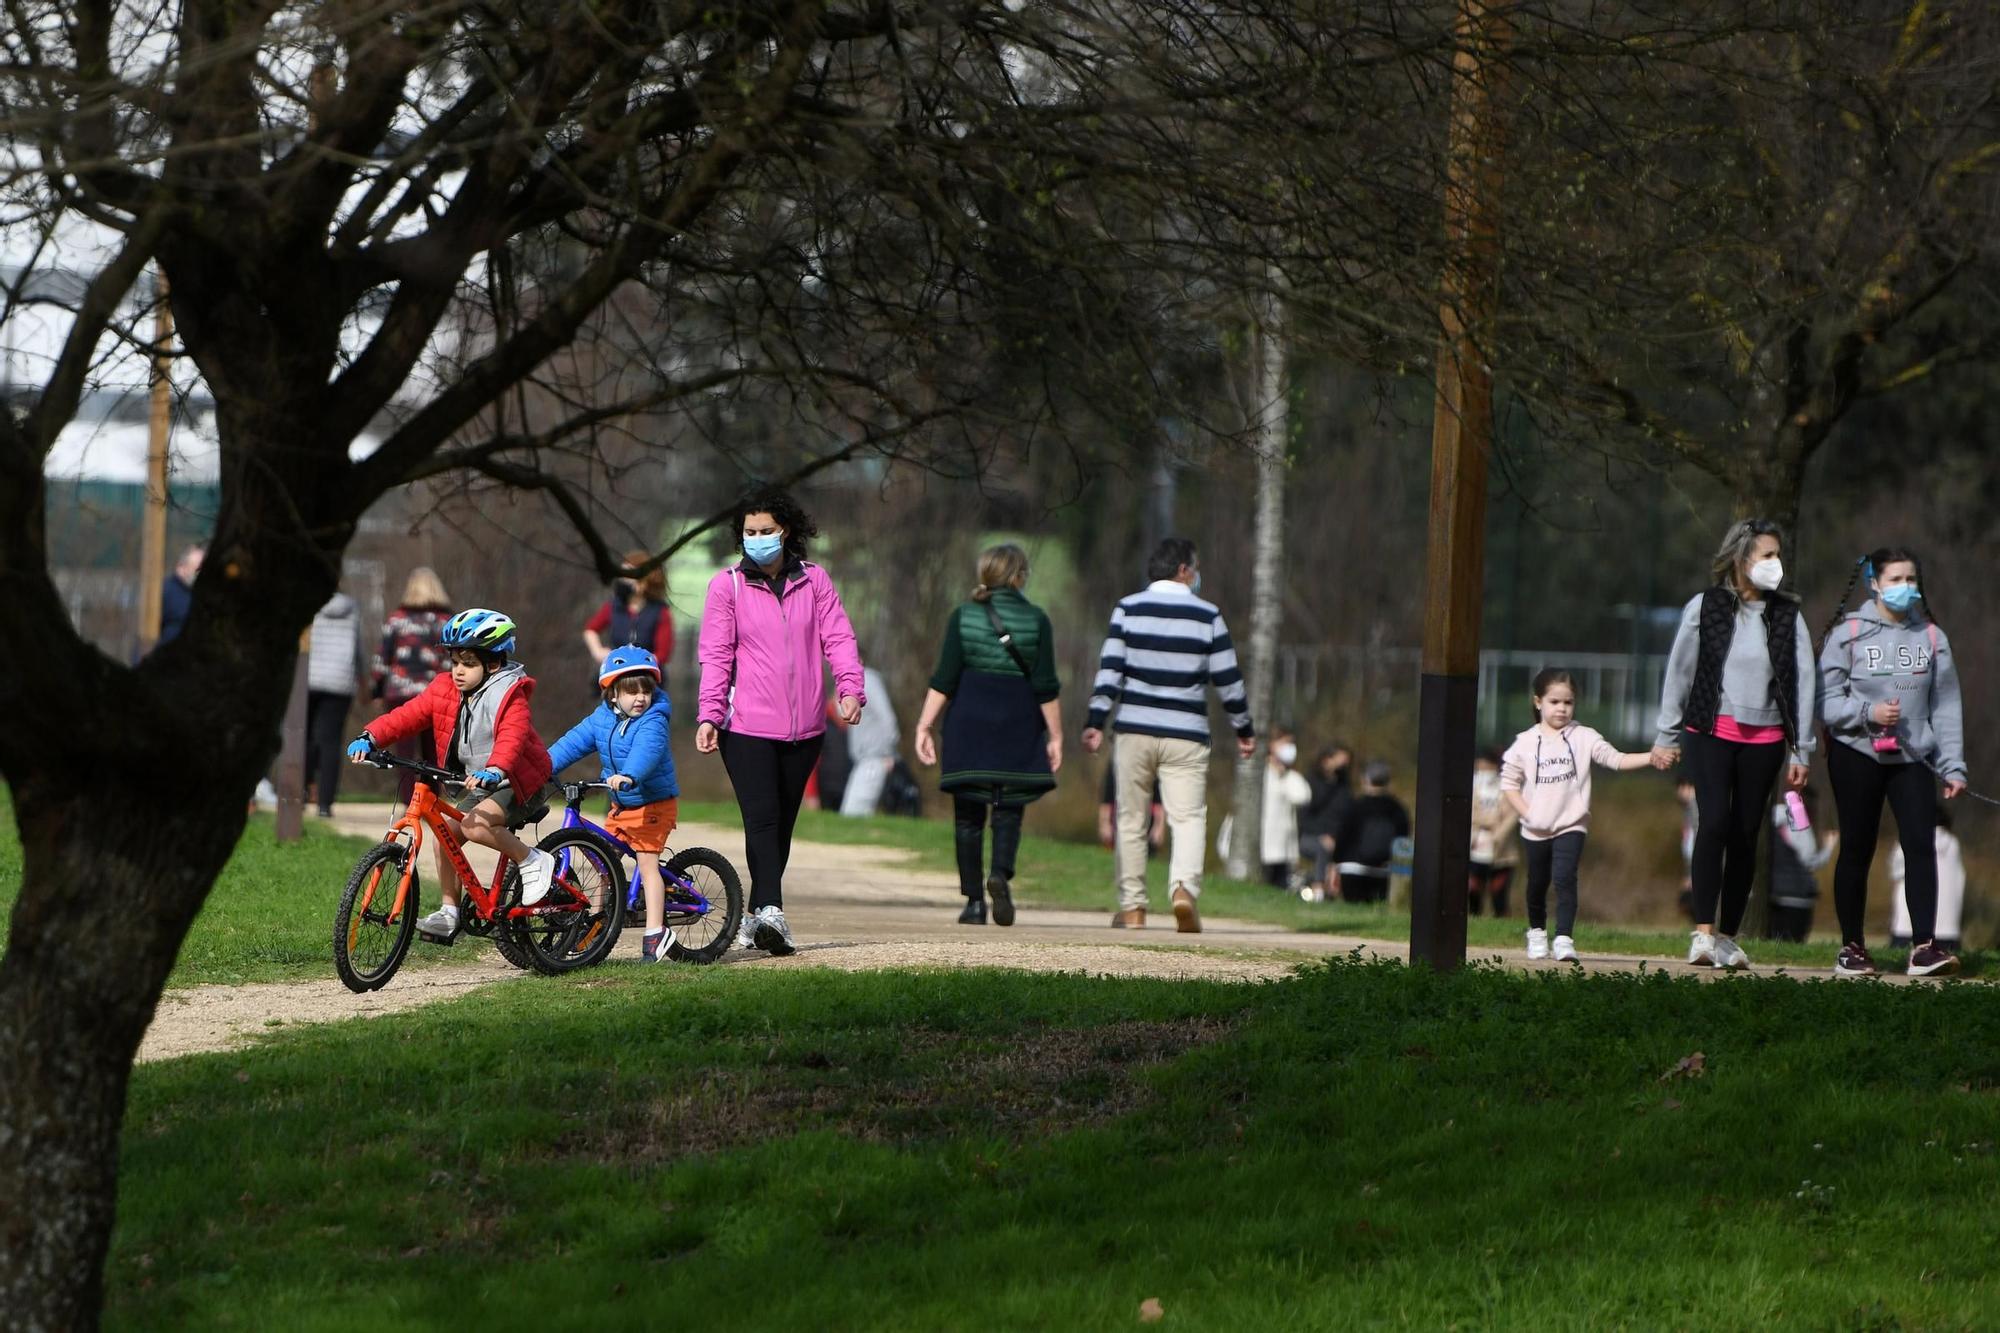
(530, 815)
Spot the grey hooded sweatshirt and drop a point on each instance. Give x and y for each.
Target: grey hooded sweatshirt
(1747, 695)
(333, 659)
(1869, 659)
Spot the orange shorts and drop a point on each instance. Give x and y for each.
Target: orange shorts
(645, 827)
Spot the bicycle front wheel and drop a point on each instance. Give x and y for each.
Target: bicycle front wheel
(586, 909)
(375, 920)
(704, 905)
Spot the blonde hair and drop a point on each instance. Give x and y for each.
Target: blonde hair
(425, 591)
(1002, 566)
(1737, 544)
(653, 584)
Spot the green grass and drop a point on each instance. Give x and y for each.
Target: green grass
(1054, 873)
(1363, 1146)
(270, 915)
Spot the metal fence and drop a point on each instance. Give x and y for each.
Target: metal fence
(1617, 693)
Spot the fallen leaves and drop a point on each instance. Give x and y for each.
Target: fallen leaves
(1151, 1311)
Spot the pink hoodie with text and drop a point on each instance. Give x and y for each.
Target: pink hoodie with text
(1553, 772)
(760, 653)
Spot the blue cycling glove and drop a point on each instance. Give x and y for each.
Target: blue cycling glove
(490, 778)
(359, 747)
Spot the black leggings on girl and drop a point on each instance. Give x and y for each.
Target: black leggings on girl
(1732, 790)
(1860, 785)
(1552, 859)
(770, 780)
(968, 819)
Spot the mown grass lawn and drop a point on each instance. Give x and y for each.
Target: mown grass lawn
(1070, 874)
(1363, 1146)
(270, 915)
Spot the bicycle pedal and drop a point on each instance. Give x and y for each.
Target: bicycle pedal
(445, 940)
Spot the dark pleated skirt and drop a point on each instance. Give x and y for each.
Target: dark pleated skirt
(994, 743)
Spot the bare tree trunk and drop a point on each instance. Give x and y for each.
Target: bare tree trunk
(100, 919)
(1266, 592)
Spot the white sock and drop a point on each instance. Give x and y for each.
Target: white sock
(654, 932)
(449, 909)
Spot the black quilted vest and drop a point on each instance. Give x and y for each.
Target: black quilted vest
(1717, 628)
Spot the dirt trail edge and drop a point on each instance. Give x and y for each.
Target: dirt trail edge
(853, 908)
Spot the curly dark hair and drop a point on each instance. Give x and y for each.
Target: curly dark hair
(790, 514)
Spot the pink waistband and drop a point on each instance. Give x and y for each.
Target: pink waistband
(1728, 728)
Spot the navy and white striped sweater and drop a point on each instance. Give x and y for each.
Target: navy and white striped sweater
(1165, 648)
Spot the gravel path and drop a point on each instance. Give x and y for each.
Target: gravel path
(852, 908)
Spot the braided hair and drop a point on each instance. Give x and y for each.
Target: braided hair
(1867, 567)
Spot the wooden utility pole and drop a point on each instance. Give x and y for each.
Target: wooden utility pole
(1461, 440)
(153, 531)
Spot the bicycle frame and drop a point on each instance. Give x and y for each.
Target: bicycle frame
(687, 899)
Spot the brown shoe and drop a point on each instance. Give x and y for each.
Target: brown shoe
(1186, 920)
(1133, 918)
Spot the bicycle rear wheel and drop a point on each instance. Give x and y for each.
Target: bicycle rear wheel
(589, 884)
(375, 920)
(704, 904)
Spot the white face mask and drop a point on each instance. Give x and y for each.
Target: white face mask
(1285, 753)
(1767, 574)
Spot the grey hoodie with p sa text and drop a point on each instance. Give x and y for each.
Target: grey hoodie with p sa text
(1871, 658)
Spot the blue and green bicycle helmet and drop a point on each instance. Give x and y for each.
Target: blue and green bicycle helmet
(627, 661)
(479, 629)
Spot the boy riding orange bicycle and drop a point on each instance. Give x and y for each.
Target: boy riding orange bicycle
(478, 716)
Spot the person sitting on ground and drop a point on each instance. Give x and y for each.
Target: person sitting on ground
(480, 722)
(1320, 821)
(1285, 791)
(1367, 840)
(628, 733)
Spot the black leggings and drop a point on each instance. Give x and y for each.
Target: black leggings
(326, 749)
(770, 780)
(1732, 790)
(1860, 785)
(1552, 859)
(968, 826)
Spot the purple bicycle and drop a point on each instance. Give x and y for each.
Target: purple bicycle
(704, 900)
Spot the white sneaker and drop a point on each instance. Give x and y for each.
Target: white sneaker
(1728, 954)
(746, 931)
(1564, 950)
(1538, 944)
(772, 934)
(439, 926)
(1701, 949)
(538, 876)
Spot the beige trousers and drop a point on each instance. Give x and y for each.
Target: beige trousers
(1181, 767)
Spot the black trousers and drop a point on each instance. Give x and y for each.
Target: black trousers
(1552, 860)
(1488, 882)
(968, 827)
(326, 748)
(770, 781)
(1860, 786)
(1732, 794)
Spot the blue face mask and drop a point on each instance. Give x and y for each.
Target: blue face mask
(763, 550)
(1901, 596)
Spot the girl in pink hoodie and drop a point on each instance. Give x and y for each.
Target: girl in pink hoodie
(768, 623)
(1545, 776)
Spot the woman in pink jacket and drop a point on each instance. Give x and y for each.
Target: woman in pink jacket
(767, 623)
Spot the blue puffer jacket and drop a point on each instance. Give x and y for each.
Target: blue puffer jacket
(637, 747)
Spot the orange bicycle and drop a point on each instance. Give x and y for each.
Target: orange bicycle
(573, 927)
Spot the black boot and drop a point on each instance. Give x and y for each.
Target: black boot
(974, 913)
(1002, 895)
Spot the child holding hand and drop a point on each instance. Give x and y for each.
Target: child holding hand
(1545, 776)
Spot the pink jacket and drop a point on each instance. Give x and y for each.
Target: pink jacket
(760, 654)
(1553, 773)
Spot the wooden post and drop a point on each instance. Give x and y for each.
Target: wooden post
(292, 753)
(153, 531)
(1461, 440)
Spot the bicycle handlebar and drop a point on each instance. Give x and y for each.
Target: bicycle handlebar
(573, 791)
(384, 759)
